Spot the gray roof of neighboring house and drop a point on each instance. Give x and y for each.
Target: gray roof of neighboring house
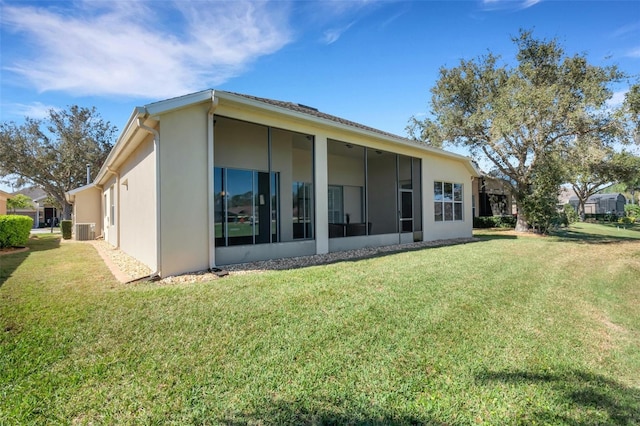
(598, 197)
(33, 192)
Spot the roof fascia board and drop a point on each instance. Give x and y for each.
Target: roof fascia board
(82, 188)
(173, 104)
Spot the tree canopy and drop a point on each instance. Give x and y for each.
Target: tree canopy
(19, 201)
(54, 153)
(523, 119)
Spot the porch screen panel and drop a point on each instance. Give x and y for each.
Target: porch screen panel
(302, 196)
(220, 208)
(240, 206)
(416, 174)
(240, 145)
(382, 192)
(347, 178)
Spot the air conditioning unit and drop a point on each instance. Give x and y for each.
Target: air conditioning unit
(85, 231)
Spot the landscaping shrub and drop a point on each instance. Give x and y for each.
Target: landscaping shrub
(14, 230)
(627, 220)
(571, 214)
(65, 227)
(632, 210)
(494, 222)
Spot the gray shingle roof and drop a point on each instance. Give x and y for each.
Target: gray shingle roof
(315, 113)
(33, 192)
(597, 197)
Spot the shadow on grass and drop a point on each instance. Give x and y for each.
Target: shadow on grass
(10, 262)
(581, 393)
(354, 255)
(282, 413)
(569, 235)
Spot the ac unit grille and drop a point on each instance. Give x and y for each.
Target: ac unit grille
(85, 231)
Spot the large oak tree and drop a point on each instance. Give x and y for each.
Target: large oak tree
(54, 153)
(522, 118)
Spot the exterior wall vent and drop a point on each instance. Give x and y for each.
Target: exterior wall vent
(85, 231)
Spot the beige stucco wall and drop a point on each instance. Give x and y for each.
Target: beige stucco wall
(184, 217)
(138, 199)
(87, 208)
(3, 204)
(442, 169)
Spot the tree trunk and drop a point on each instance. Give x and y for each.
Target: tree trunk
(581, 212)
(66, 211)
(521, 224)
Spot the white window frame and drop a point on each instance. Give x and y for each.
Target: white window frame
(448, 200)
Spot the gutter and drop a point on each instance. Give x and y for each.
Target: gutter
(156, 142)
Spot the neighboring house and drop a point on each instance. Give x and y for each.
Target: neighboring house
(42, 212)
(602, 204)
(4, 196)
(566, 193)
(491, 197)
(215, 178)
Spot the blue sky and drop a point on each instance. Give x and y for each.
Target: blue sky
(372, 62)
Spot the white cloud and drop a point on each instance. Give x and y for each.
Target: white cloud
(332, 35)
(508, 4)
(36, 110)
(617, 99)
(634, 53)
(125, 47)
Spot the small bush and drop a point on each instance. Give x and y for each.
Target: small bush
(14, 230)
(65, 227)
(627, 220)
(632, 210)
(494, 222)
(571, 214)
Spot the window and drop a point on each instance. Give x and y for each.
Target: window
(447, 201)
(112, 200)
(243, 213)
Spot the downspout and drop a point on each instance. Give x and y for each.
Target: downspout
(156, 143)
(210, 189)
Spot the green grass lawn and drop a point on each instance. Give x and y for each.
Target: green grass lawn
(506, 330)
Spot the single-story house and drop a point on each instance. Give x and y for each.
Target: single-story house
(42, 211)
(215, 178)
(602, 204)
(4, 196)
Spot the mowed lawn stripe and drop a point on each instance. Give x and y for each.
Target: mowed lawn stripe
(507, 330)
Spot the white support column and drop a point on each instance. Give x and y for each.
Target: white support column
(321, 194)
